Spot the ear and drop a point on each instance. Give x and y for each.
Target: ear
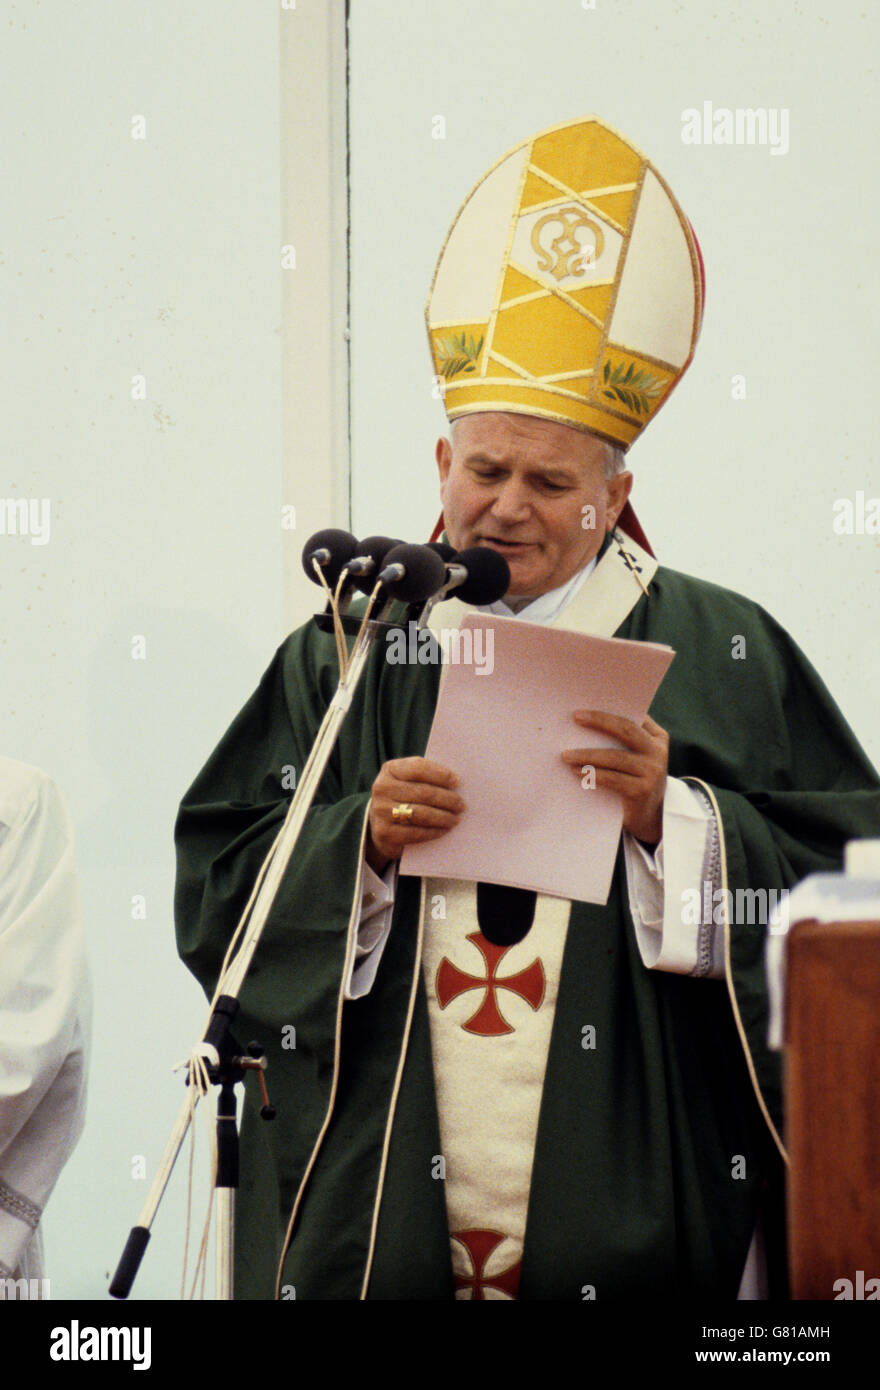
(443, 455)
(619, 489)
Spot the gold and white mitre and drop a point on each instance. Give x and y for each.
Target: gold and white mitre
(570, 286)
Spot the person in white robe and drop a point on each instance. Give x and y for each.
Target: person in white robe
(44, 1015)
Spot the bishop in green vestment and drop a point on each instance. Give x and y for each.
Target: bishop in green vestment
(656, 1152)
(635, 1186)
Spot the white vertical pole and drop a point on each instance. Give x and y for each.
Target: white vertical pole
(314, 284)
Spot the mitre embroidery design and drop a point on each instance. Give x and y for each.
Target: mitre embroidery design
(564, 254)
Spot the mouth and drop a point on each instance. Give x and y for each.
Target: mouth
(506, 547)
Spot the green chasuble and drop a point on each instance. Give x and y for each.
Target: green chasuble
(655, 1150)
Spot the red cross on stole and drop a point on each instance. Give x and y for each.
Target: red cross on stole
(488, 1019)
(479, 1246)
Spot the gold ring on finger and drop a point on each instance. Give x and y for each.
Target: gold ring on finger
(403, 811)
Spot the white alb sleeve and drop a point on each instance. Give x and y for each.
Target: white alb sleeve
(377, 905)
(667, 888)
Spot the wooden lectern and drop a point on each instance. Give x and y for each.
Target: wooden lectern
(833, 1108)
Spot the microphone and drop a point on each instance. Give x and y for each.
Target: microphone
(332, 549)
(446, 552)
(369, 560)
(412, 573)
(478, 575)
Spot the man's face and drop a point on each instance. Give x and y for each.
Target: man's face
(520, 485)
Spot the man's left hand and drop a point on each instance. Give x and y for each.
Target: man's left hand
(637, 772)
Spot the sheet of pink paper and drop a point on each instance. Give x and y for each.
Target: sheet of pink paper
(530, 822)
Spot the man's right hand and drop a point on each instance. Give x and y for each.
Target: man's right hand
(429, 789)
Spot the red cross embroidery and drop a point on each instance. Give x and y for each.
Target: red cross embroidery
(488, 1019)
(479, 1246)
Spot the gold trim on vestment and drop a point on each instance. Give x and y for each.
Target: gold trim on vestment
(380, 1186)
(728, 973)
(351, 942)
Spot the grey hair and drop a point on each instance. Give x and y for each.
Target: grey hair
(614, 460)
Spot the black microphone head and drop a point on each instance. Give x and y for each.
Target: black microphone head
(447, 553)
(488, 575)
(342, 547)
(377, 547)
(425, 573)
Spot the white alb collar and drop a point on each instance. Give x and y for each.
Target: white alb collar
(545, 607)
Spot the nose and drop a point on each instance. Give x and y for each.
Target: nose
(511, 504)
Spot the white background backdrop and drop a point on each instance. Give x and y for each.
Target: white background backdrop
(161, 257)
